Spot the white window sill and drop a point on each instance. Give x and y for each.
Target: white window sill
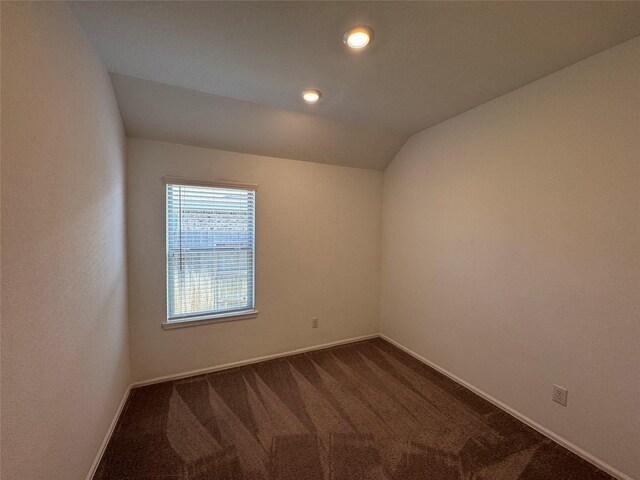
(205, 320)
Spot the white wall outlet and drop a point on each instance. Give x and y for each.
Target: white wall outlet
(315, 322)
(560, 395)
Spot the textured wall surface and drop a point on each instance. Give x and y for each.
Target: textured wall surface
(64, 326)
(317, 255)
(511, 250)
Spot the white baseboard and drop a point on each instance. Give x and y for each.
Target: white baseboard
(523, 418)
(107, 437)
(200, 371)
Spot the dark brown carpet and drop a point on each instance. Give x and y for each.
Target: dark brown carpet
(361, 411)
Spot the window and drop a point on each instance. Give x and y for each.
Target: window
(210, 251)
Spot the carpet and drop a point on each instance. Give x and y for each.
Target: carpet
(365, 410)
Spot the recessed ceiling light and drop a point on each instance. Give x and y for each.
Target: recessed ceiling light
(311, 96)
(358, 37)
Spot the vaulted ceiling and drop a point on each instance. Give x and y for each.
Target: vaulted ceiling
(228, 75)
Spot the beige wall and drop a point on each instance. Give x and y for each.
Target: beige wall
(317, 255)
(64, 331)
(511, 250)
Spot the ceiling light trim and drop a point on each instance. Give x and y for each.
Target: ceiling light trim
(358, 38)
(311, 96)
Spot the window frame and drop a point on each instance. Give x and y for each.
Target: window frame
(203, 318)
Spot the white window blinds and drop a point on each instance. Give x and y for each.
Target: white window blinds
(210, 250)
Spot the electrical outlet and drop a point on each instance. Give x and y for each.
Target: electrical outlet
(560, 395)
(315, 322)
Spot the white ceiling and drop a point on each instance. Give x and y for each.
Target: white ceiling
(163, 112)
(429, 61)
